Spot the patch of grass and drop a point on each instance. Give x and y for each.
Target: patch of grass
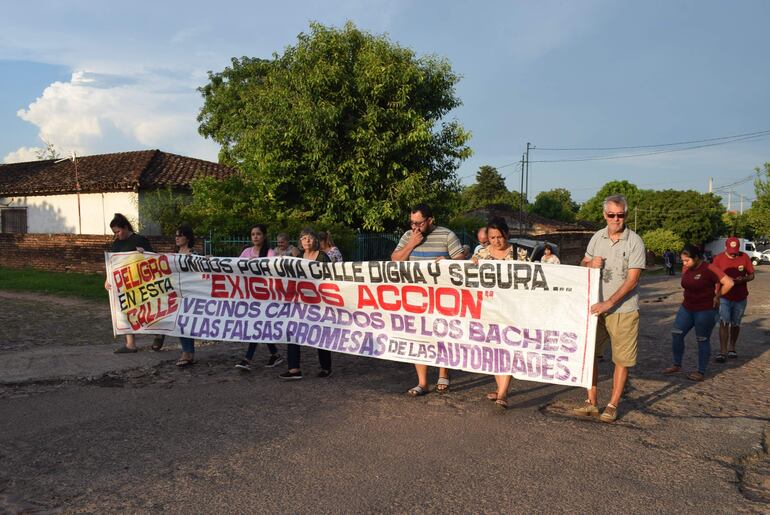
(88, 286)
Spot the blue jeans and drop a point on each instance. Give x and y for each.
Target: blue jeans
(188, 345)
(703, 322)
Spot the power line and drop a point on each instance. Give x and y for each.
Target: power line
(668, 151)
(660, 144)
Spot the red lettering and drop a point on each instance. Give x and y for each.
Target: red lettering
(218, 289)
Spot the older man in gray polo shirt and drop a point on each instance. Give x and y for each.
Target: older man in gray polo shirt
(619, 253)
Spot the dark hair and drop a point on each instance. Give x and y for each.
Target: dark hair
(121, 221)
(424, 210)
(693, 252)
(263, 250)
(186, 230)
(326, 237)
(499, 224)
(307, 231)
(548, 246)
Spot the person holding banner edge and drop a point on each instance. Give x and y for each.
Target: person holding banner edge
(126, 240)
(498, 247)
(620, 254)
(427, 242)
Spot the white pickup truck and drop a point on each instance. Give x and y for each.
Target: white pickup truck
(718, 246)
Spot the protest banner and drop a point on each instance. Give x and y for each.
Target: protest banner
(530, 320)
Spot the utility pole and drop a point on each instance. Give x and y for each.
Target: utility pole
(711, 185)
(521, 198)
(526, 185)
(729, 200)
(636, 216)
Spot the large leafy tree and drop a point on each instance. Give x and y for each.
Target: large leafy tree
(592, 209)
(344, 126)
(556, 204)
(694, 217)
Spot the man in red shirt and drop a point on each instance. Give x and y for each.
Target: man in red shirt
(738, 267)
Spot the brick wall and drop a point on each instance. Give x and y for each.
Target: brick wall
(64, 252)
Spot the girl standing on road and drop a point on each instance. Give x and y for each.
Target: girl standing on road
(311, 245)
(258, 249)
(498, 248)
(703, 284)
(126, 240)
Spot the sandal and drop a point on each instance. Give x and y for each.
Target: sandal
(732, 354)
(673, 369)
(695, 376)
(157, 343)
(501, 404)
(721, 358)
(492, 396)
(417, 391)
(442, 385)
(184, 362)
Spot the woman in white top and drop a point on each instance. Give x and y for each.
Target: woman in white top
(549, 256)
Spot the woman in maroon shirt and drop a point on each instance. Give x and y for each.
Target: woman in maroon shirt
(703, 284)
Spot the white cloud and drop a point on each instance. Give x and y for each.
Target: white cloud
(97, 113)
(22, 155)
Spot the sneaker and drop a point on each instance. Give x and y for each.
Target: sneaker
(291, 376)
(244, 364)
(586, 410)
(324, 373)
(275, 360)
(609, 414)
(721, 358)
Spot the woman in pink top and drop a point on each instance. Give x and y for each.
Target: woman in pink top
(259, 249)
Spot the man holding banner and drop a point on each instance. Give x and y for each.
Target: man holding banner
(427, 242)
(620, 254)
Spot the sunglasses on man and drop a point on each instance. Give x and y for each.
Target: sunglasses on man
(612, 216)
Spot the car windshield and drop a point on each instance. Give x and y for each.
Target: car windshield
(750, 247)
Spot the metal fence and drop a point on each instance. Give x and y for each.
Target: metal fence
(366, 246)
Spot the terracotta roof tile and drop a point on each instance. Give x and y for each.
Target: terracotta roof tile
(124, 171)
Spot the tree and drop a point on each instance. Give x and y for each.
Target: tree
(344, 125)
(758, 215)
(593, 208)
(738, 224)
(489, 189)
(694, 217)
(49, 152)
(556, 204)
(661, 240)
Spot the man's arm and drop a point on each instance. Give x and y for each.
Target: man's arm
(403, 253)
(628, 285)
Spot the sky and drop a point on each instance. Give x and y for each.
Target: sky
(96, 77)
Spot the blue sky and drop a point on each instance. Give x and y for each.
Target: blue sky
(95, 77)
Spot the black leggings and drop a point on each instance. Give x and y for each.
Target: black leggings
(253, 347)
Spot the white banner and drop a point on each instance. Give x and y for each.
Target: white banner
(530, 320)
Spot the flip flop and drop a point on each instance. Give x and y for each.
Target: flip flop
(501, 404)
(125, 350)
(721, 358)
(492, 396)
(184, 362)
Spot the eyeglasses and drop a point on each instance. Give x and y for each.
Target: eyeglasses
(418, 224)
(179, 235)
(612, 216)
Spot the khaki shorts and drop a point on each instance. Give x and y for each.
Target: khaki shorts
(622, 329)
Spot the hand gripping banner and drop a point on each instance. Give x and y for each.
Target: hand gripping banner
(530, 320)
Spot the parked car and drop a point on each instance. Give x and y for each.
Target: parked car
(534, 248)
(765, 259)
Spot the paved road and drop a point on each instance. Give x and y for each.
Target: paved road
(83, 430)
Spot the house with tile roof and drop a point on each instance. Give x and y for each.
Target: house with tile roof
(81, 195)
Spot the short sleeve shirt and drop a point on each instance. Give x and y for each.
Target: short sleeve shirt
(739, 266)
(699, 285)
(620, 256)
(440, 242)
(484, 253)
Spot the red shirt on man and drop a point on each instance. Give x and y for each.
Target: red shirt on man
(738, 266)
(699, 285)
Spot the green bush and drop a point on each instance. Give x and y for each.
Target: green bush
(660, 240)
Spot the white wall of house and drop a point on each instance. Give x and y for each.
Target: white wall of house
(59, 213)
